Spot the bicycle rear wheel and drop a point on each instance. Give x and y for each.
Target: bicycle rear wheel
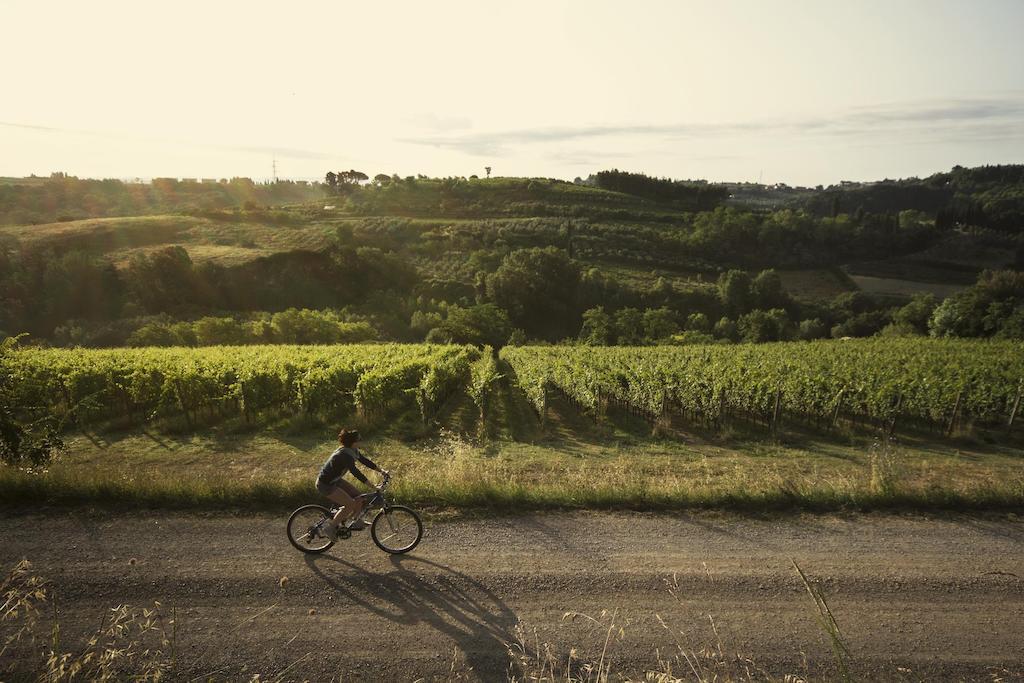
(396, 529)
(305, 529)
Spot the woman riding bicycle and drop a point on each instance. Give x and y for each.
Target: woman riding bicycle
(330, 483)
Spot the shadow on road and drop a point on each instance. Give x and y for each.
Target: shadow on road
(425, 593)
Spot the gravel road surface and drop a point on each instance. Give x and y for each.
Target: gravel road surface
(916, 598)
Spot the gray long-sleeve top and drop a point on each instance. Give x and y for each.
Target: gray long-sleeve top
(344, 460)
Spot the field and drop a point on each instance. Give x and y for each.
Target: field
(226, 243)
(824, 425)
(902, 289)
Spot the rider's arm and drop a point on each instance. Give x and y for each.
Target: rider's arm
(369, 463)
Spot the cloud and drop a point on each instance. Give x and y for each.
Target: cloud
(29, 126)
(584, 157)
(953, 120)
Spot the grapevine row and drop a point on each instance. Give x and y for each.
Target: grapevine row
(88, 386)
(921, 379)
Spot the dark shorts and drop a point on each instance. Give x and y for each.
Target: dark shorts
(327, 487)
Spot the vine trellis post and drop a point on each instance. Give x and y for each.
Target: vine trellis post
(1016, 405)
(956, 410)
(776, 412)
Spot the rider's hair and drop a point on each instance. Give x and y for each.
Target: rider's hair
(347, 437)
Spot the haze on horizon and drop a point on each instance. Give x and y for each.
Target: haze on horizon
(799, 92)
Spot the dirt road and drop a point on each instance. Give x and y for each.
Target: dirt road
(916, 598)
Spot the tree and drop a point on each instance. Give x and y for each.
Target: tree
(382, 179)
(211, 331)
(767, 291)
(862, 324)
(660, 324)
(726, 329)
(345, 181)
(982, 310)
(916, 314)
(155, 334)
(734, 291)
(813, 328)
(597, 327)
(629, 327)
(538, 289)
(164, 280)
(698, 322)
(483, 325)
(764, 326)
(487, 169)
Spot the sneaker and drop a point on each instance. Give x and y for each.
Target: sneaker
(329, 529)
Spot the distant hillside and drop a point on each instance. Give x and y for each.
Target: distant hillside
(65, 198)
(413, 257)
(988, 197)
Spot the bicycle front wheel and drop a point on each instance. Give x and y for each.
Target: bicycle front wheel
(396, 529)
(305, 529)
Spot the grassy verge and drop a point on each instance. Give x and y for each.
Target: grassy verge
(568, 470)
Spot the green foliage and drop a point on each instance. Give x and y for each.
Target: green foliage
(303, 326)
(156, 334)
(63, 198)
(862, 324)
(767, 291)
(764, 326)
(726, 329)
(220, 331)
(866, 375)
(213, 383)
(598, 327)
(812, 329)
(695, 196)
(915, 315)
(538, 289)
(483, 383)
(992, 307)
(698, 322)
(482, 325)
(659, 324)
(735, 291)
(28, 435)
(629, 327)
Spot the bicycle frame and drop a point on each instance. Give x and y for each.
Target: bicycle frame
(377, 499)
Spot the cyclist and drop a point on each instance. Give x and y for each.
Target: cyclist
(330, 483)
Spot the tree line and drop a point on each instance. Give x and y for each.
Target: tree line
(61, 197)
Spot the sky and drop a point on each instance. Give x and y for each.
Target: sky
(801, 92)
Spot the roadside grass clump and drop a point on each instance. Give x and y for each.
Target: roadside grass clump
(885, 469)
(129, 644)
(827, 621)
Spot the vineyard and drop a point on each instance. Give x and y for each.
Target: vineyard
(86, 387)
(932, 383)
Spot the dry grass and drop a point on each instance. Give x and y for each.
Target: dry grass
(267, 471)
(129, 644)
(224, 243)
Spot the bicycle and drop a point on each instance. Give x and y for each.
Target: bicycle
(395, 529)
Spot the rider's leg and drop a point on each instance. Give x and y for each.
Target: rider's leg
(346, 496)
